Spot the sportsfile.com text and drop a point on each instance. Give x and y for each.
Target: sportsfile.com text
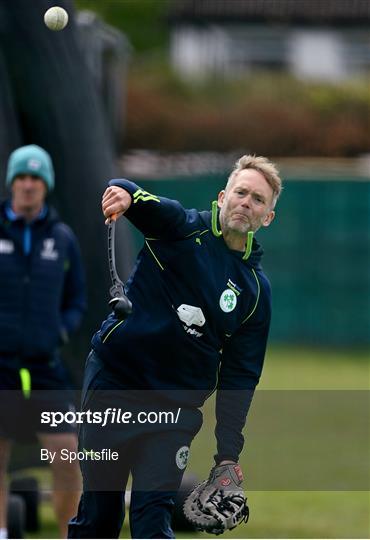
(110, 416)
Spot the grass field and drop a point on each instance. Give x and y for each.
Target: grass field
(306, 458)
(281, 515)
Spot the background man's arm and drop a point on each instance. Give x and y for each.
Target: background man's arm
(74, 301)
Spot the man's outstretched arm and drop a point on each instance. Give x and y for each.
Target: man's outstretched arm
(152, 215)
(241, 367)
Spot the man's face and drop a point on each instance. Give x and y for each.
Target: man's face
(247, 203)
(28, 193)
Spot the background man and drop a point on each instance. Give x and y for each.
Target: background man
(42, 299)
(200, 321)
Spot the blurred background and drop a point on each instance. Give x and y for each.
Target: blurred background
(169, 93)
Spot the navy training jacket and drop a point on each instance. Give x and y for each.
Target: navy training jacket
(42, 294)
(200, 320)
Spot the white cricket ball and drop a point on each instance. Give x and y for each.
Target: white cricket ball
(56, 18)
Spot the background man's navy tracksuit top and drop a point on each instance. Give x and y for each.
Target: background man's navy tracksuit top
(42, 292)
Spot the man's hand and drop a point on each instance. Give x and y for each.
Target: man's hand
(115, 201)
(218, 504)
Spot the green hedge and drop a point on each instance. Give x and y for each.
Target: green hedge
(273, 115)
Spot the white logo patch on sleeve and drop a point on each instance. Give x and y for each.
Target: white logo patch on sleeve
(182, 457)
(228, 300)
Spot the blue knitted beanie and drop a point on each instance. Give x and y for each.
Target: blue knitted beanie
(31, 159)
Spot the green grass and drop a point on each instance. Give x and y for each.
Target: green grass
(280, 515)
(294, 368)
(306, 453)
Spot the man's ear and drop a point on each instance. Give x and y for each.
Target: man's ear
(267, 220)
(220, 198)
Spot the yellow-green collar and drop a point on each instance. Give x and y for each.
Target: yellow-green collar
(216, 232)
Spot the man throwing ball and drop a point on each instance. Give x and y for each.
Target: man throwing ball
(199, 323)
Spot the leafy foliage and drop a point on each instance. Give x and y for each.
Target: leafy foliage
(270, 114)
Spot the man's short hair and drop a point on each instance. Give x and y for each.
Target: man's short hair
(263, 166)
